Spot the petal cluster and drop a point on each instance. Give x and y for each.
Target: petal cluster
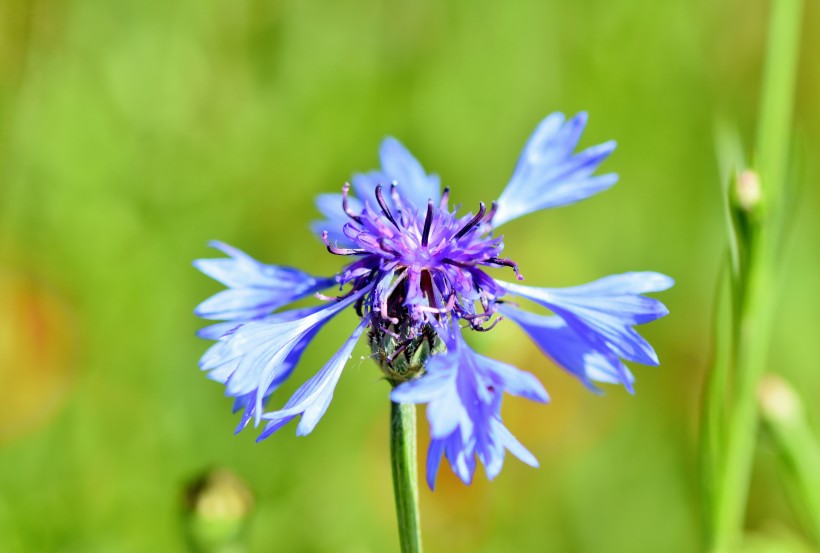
(254, 289)
(463, 392)
(416, 276)
(591, 331)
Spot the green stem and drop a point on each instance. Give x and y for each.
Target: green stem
(713, 415)
(405, 480)
(756, 285)
(777, 97)
(752, 356)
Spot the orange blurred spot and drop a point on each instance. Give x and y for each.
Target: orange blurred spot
(35, 352)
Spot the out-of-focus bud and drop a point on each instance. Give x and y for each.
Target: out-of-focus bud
(778, 401)
(746, 201)
(748, 193)
(217, 507)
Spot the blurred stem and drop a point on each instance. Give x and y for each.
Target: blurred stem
(755, 288)
(405, 480)
(713, 415)
(752, 354)
(777, 99)
(715, 393)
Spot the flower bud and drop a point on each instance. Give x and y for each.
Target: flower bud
(217, 506)
(748, 193)
(778, 401)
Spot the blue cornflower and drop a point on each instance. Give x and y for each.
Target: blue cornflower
(418, 279)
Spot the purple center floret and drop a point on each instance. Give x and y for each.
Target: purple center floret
(426, 261)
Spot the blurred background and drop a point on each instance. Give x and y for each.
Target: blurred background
(133, 132)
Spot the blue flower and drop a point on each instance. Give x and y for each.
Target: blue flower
(416, 279)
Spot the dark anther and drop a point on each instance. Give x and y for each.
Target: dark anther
(507, 263)
(482, 209)
(445, 197)
(491, 213)
(383, 205)
(340, 251)
(350, 213)
(428, 221)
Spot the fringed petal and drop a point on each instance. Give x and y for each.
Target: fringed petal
(549, 175)
(254, 289)
(312, 399)
(463, 392)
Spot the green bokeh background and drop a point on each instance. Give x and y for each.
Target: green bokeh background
(133, 132)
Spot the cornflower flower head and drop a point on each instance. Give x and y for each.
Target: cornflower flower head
(416, 279)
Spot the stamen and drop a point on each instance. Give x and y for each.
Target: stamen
(398, 351)
(507, 263)
(472, 317)
(449, 261)
(491, 213)
(389, 332)
(340, 251)
(386, 295)
(383, 205)
(445, 197)
(480, 328)
(324, 297)
(428, 221)
(397, 201)
(384, 246)
(482, 209)
(350, 213)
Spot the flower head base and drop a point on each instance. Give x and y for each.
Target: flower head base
(417, 277)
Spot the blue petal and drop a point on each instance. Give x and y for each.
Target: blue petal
(463, 392)
(255, 355)
(513, 445)
(217, 330)
(413, 182)
(364, 184)
(515, 381)
(248, 402)
(434, 454)
(461, 456)
(601, 315)
(313, 397)
(568, 349)
(549, 175)
(254, 289)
